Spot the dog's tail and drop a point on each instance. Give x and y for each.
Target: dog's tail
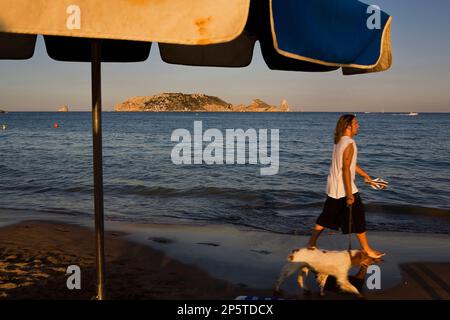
(291, 256)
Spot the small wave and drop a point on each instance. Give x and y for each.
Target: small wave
(48, 210)
(201, 192)
(407, 209)
(64, 211)
(78, 189)
(45, 190)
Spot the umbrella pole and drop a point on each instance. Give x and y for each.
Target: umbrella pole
(98, 164)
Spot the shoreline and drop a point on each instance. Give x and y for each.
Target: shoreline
(201, 262)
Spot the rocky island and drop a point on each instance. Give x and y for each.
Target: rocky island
(63, 108)
(180, 102)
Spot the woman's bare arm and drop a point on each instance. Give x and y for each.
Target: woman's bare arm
(362, 173)
(347, 161)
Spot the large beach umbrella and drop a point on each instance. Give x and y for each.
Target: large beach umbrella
(295, 35)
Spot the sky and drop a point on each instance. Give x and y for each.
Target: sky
(419, 79)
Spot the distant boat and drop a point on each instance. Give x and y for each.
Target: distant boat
(413, 114)
(64, 108)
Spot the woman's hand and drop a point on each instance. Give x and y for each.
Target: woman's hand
(350, 200)
(367, 179)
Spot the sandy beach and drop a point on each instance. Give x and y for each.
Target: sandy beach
(34, 256)
(198, 262)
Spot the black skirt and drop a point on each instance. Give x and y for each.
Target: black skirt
(335, 215)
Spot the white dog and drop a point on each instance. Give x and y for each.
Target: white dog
(324, 263)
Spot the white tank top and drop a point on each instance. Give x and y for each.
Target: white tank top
(335, 182)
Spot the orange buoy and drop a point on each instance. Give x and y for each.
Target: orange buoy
(55, 125)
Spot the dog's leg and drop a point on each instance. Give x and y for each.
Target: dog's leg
(287, 270)
(322, 280)
(346, 286)
(303, 273)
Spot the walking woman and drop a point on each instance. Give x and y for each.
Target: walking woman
(341, 188)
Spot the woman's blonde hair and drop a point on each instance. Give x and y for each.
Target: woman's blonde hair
(342, 124)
